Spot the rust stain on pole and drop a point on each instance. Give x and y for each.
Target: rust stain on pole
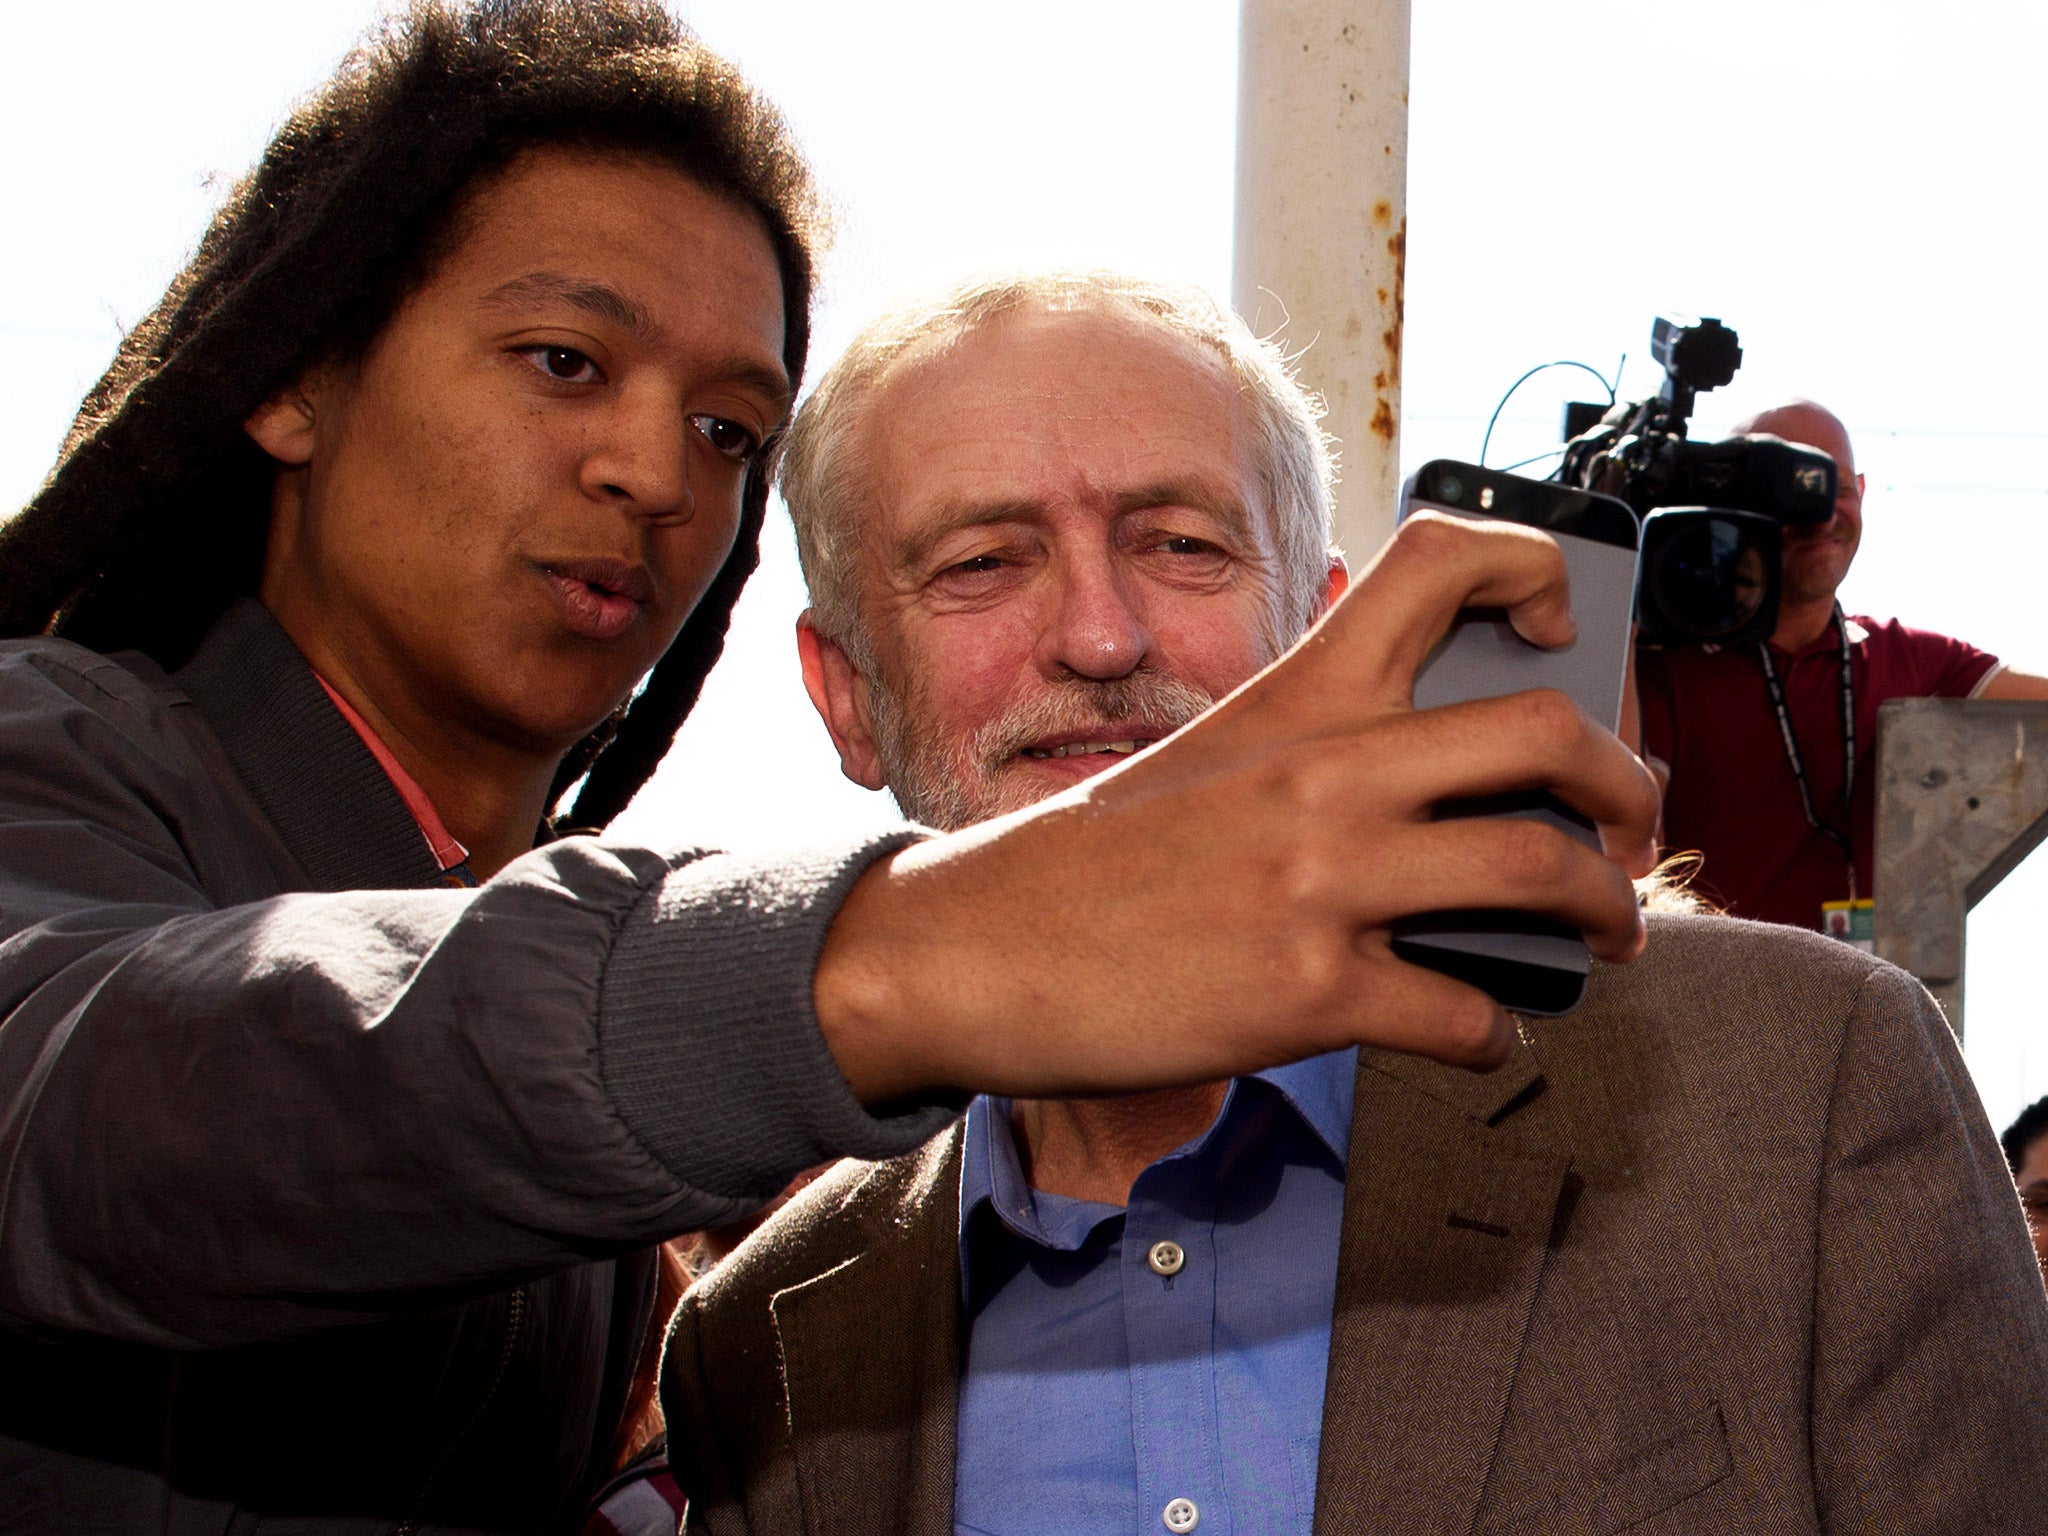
(1321, 236)
(1397, 247)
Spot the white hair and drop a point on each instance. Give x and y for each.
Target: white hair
(822, 465)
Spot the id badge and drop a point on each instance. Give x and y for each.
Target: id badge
(1853, 922)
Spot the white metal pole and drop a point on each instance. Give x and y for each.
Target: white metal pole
(1322, 224)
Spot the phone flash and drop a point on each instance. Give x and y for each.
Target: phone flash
(1486, 498)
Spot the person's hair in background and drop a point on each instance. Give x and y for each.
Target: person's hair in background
(2021, 1135)
(821, 474)
(2025, 1144)
(153, 520)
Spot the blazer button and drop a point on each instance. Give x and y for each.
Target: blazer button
(1180, 1516)
(1166, 1258)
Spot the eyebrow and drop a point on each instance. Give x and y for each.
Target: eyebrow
(608, 304)
(599, 299)
(1193, 494)
(1230, 511)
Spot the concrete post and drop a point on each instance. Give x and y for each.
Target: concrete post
(1322, 224)
(1962, 797)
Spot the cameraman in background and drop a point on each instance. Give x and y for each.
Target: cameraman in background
(1768, 751)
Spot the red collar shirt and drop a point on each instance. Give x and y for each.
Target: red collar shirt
(1733, 797)
(448, 853)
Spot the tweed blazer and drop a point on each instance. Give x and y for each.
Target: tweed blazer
(1729, 1249)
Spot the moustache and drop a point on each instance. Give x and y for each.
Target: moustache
(1159, 703)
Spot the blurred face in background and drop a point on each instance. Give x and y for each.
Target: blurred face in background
(1818, 558)
(2033, 1183)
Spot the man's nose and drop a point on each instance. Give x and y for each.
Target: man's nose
(1099, 629)
(640, 457)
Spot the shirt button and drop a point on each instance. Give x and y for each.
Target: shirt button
(1180, 1516)
(1166, 1258)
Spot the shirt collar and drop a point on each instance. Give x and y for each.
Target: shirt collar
(301, 761)
(991, 1174)
(1855, 630)
(447, 851)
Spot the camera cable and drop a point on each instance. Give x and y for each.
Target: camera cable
(1486, 441)
(1835, 834)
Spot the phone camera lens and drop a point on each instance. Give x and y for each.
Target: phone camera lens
(1452, 487)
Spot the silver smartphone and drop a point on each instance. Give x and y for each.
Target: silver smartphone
(1526, 962)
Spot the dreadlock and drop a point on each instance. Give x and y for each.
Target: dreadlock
(154, 518)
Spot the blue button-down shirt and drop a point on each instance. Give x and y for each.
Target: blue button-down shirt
(1095, 1390)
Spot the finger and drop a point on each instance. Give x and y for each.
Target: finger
(1385, 627)
(1405, 1007)
(1519, 741)
(1360, 660)
(1506, 863)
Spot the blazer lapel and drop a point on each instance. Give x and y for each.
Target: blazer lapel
(1447, 1220)
(871, 1363)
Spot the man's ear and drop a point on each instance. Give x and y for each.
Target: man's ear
(282, 426)
(840, 695)
(1336, 583)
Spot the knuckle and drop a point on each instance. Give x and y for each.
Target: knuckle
(1308, 882)
(1429, 535)
(1318, 970)
(1552, 717)
(1309, 782)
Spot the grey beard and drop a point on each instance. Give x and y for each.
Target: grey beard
(953, 785)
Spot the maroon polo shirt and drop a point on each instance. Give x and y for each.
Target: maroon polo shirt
(1707, 712)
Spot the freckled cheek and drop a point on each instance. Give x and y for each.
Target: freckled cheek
(492, 490)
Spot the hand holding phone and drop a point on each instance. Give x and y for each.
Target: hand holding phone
(1525, 962)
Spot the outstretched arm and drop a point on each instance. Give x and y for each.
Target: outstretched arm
(2010, 683)
(227, 1115)
(226, 1118)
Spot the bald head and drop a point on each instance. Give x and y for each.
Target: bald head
(1817, 558)
(1804, 421)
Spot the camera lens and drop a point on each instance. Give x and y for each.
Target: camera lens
(1712, 575)
(1450, 487)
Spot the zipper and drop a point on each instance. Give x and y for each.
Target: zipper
(515, 1324)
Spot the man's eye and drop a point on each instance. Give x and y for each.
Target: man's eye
(1187, 545)
(729, 438)
(563, 363)
(975, 565)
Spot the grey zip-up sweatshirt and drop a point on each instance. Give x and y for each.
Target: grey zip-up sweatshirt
(326, 1190)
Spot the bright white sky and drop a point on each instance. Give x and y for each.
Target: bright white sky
(1849, 183)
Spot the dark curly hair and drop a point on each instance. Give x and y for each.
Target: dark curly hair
(2023, 1133)
(154, 519)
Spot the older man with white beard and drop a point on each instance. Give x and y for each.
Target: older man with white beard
(1730, 1248)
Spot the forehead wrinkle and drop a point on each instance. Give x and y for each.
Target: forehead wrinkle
(594, 298)
(1062, 410)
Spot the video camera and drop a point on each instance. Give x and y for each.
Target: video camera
(1713, 513)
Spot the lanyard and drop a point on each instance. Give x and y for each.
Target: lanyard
(1798, 763)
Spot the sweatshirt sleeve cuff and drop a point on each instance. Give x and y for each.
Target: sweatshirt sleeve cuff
(707, 1035)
